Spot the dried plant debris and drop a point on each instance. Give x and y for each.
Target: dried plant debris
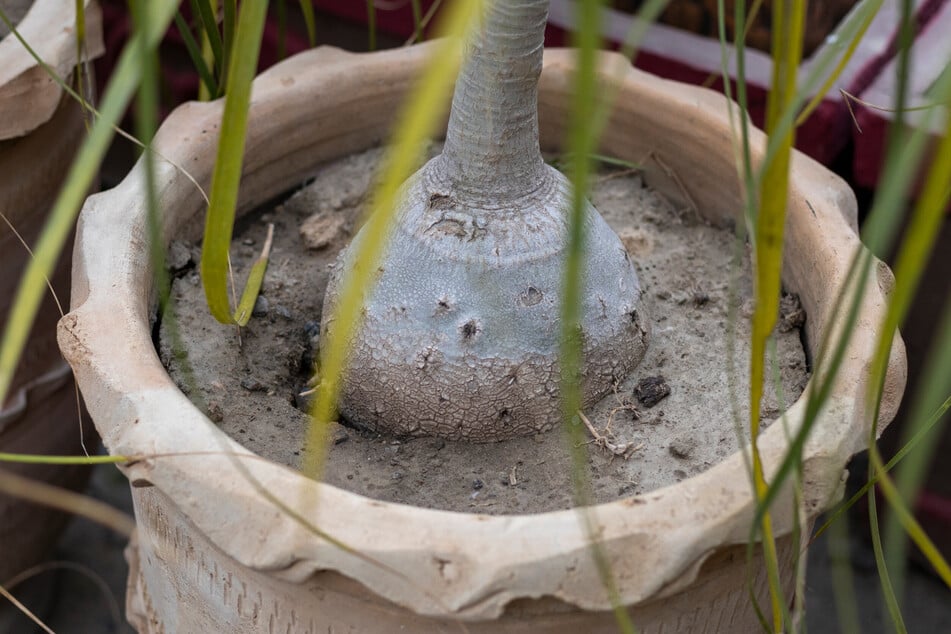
(606, 440)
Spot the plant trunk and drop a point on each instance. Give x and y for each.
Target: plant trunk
(492, 142)
(459, 337)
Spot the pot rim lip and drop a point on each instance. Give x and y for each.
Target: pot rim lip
(48, 26)
(689, 534)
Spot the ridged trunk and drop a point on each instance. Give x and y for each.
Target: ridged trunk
(492, 140)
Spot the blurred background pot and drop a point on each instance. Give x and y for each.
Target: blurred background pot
(40, 130)
(213, 554)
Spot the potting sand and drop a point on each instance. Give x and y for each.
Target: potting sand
(677, 415)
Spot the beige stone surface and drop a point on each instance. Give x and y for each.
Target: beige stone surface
(210, 526)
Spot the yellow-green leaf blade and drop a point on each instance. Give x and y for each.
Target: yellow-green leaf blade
(255, 278)
(219, 221)
(310, 21)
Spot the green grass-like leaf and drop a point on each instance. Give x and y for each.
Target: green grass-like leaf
(787, 32)
(423, 23)
(194, 53)
(80, 71)
(581, 143)
(417, 14)
(927, 216)
(22, 458)
(879, 232)
(206, 11)
(219, 221)
(907, 520)
(904, 153)
(309, 21)
(255, 279)
(371, 25)
(229, 15)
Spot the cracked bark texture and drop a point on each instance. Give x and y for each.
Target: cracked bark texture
(461, 332)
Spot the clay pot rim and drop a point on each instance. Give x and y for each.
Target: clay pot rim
(442, 563)
(28, 96)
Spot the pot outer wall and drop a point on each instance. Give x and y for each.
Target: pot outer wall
(213, 555)
(180, 582)
(41, 414)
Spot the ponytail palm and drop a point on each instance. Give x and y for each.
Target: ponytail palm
(460, 336)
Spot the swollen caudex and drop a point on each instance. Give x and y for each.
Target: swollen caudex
(460, 334)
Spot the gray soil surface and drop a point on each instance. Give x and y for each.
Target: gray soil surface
(251, 387)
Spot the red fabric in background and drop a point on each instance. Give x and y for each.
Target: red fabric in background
(823, 136)
(870, 133)
(179, 80)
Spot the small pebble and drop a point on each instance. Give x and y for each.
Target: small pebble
(312, 329)
(477, 484)
(179, 256)
(253, 385)
(283, 311)
(261, 306)
(791, 313)
(248, 242)
(215, 413)
(651, 390)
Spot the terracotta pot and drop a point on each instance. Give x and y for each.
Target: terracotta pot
(213, 554)
(40, 130)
